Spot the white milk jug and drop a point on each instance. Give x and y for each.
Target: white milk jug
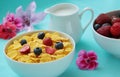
(65, 17)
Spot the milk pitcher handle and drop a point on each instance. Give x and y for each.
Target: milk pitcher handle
(92, 15)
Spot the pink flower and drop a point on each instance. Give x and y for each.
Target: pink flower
(24, 20)
(29, 17)
(7, 30)
(10, 17)
(87, 60)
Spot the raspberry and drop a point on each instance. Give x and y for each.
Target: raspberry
(47, 41)
(115, 30)
(102, 18)
(115, 19)
(104, 30)
(49, 50)
(25, 49)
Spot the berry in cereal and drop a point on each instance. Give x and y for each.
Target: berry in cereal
(23, 41)
(49, 50)
(59, 45)
(25, 49)
(48, 41)
(37, 51)
(41, 35)
(52, 47)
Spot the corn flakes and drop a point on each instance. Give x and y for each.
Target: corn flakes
(13, 50)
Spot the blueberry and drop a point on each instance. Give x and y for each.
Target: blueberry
(37, 51)
(41, 35)
(23, 41)
(96, 26)
(59, 45)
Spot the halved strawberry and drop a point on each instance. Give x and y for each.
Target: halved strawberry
(25, 49)
(50, 50)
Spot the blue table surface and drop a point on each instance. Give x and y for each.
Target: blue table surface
(109, 65)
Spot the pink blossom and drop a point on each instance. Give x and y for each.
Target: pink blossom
(24, 20)
(87, 60)
(7, 30)
(10, 17)
(29, 17)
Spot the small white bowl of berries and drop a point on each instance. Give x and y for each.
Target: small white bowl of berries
(42, 53)
(106, 31)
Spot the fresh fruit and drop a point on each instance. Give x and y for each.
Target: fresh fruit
(23, 41)
(59, 45)
(25, 49)
(104, 30)
(49, 50)
(115, 30)
(115, 19)
(41, 35)
(106, 24)
(37, 51)
(47, 41)
(96, 26)
(102, 18)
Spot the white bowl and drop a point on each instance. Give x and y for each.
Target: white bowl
(111, 45)
(48, 69)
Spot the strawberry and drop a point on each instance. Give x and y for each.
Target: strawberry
(106, 24)
(115, 30)
(47, 41)
(104, 30)
(102, 18)
(50, 50)
(25, 49)
(115, 19)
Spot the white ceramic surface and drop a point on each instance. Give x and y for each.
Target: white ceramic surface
(48, 69)
(65, 17)
(111, 45)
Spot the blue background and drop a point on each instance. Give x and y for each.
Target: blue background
(109, 65)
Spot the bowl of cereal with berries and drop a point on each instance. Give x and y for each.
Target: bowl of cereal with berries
(42, 53)
(106, 31)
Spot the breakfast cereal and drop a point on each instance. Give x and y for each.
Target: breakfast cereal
(39, 47)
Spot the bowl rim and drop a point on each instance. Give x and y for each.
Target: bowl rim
(62, 33)
(105, 37)
(107, 13)
(112, 11)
